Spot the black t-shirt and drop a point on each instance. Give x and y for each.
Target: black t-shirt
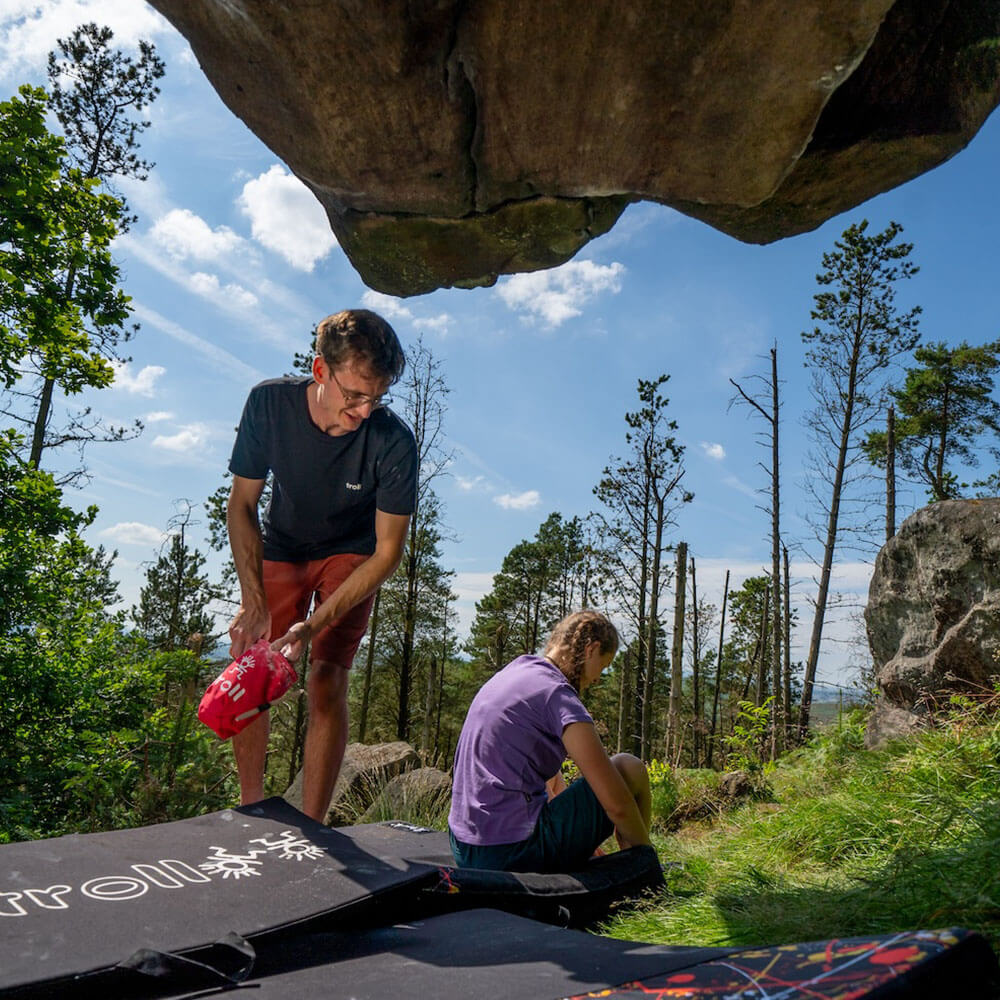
(325, 489)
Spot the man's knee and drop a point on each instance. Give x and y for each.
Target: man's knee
(327, 687)
(632, 769)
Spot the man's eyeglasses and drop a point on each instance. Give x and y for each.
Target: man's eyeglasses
(354, 399)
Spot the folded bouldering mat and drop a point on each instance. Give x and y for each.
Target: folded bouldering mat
(73, 906)
(489, 954)
(574, 899)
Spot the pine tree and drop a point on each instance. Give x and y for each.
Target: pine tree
(860, 332)
(945, 407)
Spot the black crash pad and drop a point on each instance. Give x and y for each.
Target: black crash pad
(458, 956)
(73, 906)
(490, 954)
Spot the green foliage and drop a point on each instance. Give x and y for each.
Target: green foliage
(97, 730)
(173, 603)
(540, 581)
(746, 747)
(32, 516)
(944, 407)
(96, 91)
(664, 794)
(854, 842)
(53, 221)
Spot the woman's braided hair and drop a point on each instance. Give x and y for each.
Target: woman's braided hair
(573, 634)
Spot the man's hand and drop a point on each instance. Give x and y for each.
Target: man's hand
(291, 644)
(249, 625)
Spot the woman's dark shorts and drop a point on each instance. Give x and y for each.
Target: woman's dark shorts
(570, 828)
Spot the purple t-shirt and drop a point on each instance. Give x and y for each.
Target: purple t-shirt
(511, 744)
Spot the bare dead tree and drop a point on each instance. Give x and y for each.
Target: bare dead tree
(677, 657)
(718, 671)
(772, 418)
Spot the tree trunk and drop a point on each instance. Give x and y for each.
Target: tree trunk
(677, 656)
(718, 672)
(369, 668)
(45, 400)
(786, 714)
(624, 700)
(695, 688)
(776, 712)
(890, 474)
(651, 629)
(409, 626)
(425, 741)
(830, 544)
(760, 655)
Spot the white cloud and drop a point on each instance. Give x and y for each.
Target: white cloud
(28, 29)
(134, 533)
(273, 331)
(713, 450)
(560, 293)
(518, 501)
(143, 383)
(187, 439)
(158, 416)
(209, 286)
(469, 587)
(734, 482)
(438, 324)
(393, 308)
(185, 235)
(286, 217)
(470, 483)
(387, 305)
(222, 361)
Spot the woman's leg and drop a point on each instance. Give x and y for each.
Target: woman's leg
(637, 779)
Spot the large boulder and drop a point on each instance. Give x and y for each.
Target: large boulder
(413, 795)
(451, 141)
(365, 771)
(933, 613)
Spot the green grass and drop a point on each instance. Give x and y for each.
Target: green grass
(852, 842)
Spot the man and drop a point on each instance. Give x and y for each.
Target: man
(344, 486)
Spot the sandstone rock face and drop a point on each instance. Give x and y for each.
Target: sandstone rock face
(417, 793)
(365, 770)
(453, 141)
(933, 613)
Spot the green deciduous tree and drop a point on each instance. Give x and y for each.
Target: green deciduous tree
(98, 95)
(859, 333)
(53, 222)
(944, 409)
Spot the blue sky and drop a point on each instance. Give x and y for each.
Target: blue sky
(232, 262)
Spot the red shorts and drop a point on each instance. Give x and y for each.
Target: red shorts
(290, 588)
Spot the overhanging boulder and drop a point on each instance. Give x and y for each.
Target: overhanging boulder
(451, 141)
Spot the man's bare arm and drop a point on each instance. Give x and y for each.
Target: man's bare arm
(253, 619)
(390, 541)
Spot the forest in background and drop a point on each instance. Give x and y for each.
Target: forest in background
(98, 727)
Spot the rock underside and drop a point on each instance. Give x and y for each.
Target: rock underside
(933, 614)
(452, 141)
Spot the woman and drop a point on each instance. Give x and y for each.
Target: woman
(510, 809)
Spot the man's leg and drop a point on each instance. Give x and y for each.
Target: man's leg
(288, 594)
(250, 751)
(326, 736)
